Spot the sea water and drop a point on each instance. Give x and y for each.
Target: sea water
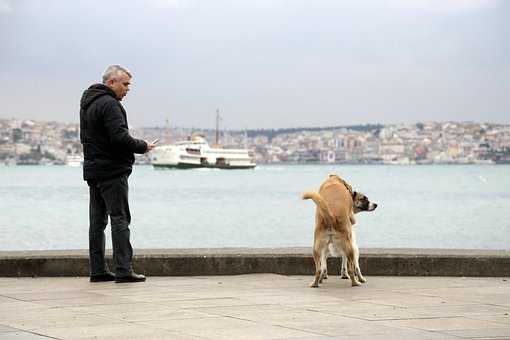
(451, 206)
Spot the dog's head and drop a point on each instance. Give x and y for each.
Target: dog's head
(361, 203)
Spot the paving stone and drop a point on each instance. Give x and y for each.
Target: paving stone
(22, 336)
(448, 324)
(256, 306)
(492, 333)
(5, 329)
(117, 331)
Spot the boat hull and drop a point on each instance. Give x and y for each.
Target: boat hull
(197, 166)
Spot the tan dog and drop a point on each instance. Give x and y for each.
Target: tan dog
(334, 219)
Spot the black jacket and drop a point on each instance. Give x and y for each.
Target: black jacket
(108, 148)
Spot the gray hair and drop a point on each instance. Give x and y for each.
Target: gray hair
(113, 71)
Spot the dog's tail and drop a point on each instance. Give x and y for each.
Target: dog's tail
(321, 205)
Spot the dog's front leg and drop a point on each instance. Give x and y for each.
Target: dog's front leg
(356, 267)
(356, 260)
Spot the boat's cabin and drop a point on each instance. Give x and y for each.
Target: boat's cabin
(195, 141)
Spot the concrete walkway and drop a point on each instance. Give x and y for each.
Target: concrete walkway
(255, 306)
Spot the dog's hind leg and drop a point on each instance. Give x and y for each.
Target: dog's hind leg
(351, 270)
(317, 261)
(318, 249)
(351, 262)
(343, 270)
(324, 264)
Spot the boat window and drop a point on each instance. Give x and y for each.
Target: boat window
(193, 151)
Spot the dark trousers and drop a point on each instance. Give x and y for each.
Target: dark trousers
(110, 198)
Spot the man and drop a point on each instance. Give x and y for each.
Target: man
(109, 150)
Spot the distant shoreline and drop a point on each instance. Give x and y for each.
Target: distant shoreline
(296, 164)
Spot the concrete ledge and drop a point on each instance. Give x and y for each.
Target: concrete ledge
(287, 261)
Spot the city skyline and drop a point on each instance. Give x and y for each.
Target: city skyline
(26, 142)
(264, 64)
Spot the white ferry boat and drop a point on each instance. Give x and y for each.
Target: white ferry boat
(196, 153)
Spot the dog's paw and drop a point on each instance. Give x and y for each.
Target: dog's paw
(314, 285)
(362, 279)
(345, 277)
(355, 283)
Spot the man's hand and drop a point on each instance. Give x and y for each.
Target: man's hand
(150, 146)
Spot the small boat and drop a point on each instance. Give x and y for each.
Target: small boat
(196, 153)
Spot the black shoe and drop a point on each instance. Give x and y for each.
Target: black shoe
(108, 276)
(133, 277)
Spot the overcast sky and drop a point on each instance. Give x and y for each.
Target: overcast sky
(263, 63)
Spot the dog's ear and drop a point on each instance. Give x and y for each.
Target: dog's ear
(352, 219)
(354, 193)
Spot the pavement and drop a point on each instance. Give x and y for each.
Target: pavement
(256, 306)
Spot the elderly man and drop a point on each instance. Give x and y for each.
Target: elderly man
(109, 156)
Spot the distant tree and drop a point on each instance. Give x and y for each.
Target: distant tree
(70, 134)
(49, 156)
(17, 135)
(271, 133)
(31, 156)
